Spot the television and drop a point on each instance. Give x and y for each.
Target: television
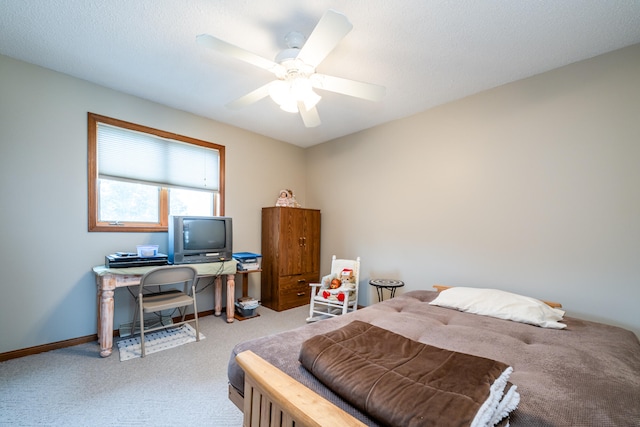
(197, 239)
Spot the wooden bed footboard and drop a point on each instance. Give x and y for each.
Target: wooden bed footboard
(273, 398)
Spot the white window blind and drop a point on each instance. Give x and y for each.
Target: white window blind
(130, 155)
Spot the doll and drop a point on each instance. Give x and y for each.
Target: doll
(283, 199)
(293, 203)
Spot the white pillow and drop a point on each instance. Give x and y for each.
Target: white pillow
(501, 304)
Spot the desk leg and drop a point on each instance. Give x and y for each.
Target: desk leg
(98, 300)
(106, 287)
(231, 294)
(217, 298)
(231, 290)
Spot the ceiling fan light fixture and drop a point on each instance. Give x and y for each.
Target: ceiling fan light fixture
(295, 69)
(287, 94)
(302, 91)
(279, 92)
(289, 107)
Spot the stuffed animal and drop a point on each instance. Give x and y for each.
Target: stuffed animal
(326, 281)
(348, 282)
(346, 277)
(326, 284)
(339, 296)
(335, 285)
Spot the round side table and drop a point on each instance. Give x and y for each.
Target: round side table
(389, 284)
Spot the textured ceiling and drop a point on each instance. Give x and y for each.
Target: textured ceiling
(425, 53)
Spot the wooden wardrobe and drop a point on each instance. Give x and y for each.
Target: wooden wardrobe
(290, 256)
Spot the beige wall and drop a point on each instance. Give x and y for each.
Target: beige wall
(46, 256)
(532, 187)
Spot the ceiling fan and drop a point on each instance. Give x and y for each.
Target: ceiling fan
(295, 69)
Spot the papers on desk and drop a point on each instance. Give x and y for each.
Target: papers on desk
(248, 267)
(248, 261)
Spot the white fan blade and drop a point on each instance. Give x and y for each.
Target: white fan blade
(331, 28)
(237, 52)
(250, 98)
(310, 117)
(354, 88)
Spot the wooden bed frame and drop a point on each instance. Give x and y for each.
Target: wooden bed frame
(273, 398)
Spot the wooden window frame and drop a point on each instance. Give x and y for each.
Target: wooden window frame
(163, 199)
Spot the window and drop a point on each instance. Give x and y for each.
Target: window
(138, 176)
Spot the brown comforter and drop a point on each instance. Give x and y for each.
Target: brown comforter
(401, 382)
(585, 375)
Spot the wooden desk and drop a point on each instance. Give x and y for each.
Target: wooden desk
(108, 279)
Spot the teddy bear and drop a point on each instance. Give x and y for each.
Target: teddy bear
(348, 281)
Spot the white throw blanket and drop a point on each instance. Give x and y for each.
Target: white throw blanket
(499, 404)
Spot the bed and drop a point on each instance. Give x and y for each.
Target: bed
(585, 374)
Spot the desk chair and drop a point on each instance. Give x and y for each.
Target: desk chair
(166, 297)
(330, 302)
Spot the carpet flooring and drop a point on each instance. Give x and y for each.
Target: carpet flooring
(185, 385)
